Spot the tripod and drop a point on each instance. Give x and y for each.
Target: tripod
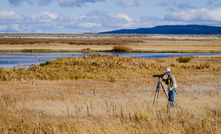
(157, 91)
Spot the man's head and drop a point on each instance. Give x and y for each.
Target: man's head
(167, 71)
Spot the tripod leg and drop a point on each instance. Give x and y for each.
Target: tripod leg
(154, 97)
(156, 92)
(163, 89)
(157, 97)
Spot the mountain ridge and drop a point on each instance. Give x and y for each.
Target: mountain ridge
(170, 29)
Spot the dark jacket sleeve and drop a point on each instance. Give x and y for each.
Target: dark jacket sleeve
(166, 81)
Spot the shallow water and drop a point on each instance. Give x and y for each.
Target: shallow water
(25, 59)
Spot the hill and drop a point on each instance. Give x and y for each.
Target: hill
(170, 29)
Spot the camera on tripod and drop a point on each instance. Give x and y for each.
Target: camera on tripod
(160, 76)
(159, 85)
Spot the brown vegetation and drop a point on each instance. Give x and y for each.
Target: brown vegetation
(110, 94)
(87, 49)
(122, 49)
(101, 67)
(184, 59)
(107, 44)
(68, 41)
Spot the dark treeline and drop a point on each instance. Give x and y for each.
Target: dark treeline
(172, 29)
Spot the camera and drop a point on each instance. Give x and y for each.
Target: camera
(161, 75)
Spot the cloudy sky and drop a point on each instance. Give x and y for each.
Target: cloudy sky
(81, 16)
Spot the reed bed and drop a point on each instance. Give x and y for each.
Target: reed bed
(103, 66)
(88, 102)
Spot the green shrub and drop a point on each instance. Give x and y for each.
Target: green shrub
(183, 59)
(121, 49)
(172, 65)
(112, 79)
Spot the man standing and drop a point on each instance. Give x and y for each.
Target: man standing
(171, 82)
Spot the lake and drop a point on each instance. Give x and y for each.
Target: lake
(25, 59)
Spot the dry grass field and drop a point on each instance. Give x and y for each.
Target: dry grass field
(110, 94)
(137, 44)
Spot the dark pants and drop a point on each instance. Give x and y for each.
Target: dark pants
(171, 97)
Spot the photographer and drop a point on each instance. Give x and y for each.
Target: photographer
(171, 82)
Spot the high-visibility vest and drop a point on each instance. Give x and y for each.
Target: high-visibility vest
(170, 83)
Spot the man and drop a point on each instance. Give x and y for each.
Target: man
(171, 82)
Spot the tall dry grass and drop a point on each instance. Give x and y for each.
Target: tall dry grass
(103, 66)
(95, 105)
(92, 106)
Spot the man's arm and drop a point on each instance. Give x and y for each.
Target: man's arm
(166, 81)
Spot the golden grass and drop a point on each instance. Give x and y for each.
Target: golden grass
(91, 106)
(102, 67)
(94, 104)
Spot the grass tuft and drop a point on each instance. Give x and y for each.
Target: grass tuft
(184, 59)
(121, 49)
(112, 79)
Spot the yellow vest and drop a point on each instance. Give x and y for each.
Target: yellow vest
(170, 83)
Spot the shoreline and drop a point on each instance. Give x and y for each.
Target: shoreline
(133, 51)
(105, 36)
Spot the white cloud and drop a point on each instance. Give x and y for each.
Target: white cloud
(127, 3)
(39, 31)
(5, 15)
(89, 25)
(45, 16)
(195, 15)
(16, 27)
(50, 15)
(82, 16)
(124, 16)
(3, 27)
(73, 17)
(123, 21)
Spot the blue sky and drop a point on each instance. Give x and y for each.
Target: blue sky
(80, 16)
